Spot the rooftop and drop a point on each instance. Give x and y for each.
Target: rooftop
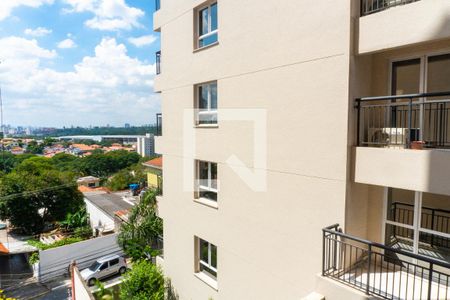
(108, 202)
(88, 178)
(154, 163)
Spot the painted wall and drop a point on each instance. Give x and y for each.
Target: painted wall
(55, 262)
(417, 170)
(79, 287)
(292, 61)
(98, 218)
(152, 179)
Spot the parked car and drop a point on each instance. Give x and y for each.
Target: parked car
(104, 267)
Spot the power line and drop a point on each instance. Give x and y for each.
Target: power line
(30, 193)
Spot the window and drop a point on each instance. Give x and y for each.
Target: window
(103, 267)
(113, 262)
(417, 222)
(207, 180)
(207, 258)
(206, 103)
(207, 25)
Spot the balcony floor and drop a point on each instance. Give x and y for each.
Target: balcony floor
(389, 280)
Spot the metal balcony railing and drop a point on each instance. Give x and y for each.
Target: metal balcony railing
(372, 6)
(382, 271)
(158, 124)
(431, 218)
(158, 62)
(404, 121)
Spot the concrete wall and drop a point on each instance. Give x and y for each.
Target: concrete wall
(98, 218)
(422, 21)
(290, 59)
(417, 170)
(80, 290)
(55, 262)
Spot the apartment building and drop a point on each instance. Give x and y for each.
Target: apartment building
(305, 148)
(145, 145)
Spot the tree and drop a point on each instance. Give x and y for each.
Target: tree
(144, 282)
(103, 165)
(143, 228)
(35, 193)
(35, 148)
(64, 162)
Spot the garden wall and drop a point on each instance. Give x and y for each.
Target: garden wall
(56, 261)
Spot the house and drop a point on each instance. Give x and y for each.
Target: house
(89, 181)
(305, 148)
(154, 172)
(106, 211)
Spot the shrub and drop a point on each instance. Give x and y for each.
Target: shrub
(144, 282)
(62, 242)
(84, 232)
(34, 258)
(4, 297)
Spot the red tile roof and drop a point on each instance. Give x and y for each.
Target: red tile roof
(155, 163)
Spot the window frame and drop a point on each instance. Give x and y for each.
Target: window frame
(114, 262)
(206, 111)
(206, 264)
(210, 32)
(209, 188)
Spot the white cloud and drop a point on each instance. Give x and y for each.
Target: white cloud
(141, 41)
(6, 6)
(17, 48)
(108, 14)
(37, 32)
(105, 87)
(66, 44)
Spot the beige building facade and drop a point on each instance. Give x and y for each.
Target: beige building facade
(266, 142)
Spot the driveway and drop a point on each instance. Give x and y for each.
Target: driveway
(14, 269)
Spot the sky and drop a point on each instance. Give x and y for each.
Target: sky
(78, 62)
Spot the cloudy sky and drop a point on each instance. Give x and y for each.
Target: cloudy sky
(78, 62)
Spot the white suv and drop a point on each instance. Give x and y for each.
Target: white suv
(104, 267)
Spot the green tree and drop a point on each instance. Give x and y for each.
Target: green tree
(142, 229)
(144, 282)
(7, 161)
(35, 193)
(65, 162)
(35, 148)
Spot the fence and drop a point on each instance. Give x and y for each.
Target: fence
(404, 120)
(372, 6)
(380, 270)
(56, 262)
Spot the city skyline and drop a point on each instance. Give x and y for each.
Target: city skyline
(85, 63)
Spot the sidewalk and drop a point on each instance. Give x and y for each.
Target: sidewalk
(14, 243)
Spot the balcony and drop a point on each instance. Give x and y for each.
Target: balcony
(159, 148)
(373, 6)
(158, 62)
(417, 121)
(390, 132)
(158, 124)
(382, 271)
(389, 24)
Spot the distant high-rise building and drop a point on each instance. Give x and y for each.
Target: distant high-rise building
(127, 125)
(145, 145)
